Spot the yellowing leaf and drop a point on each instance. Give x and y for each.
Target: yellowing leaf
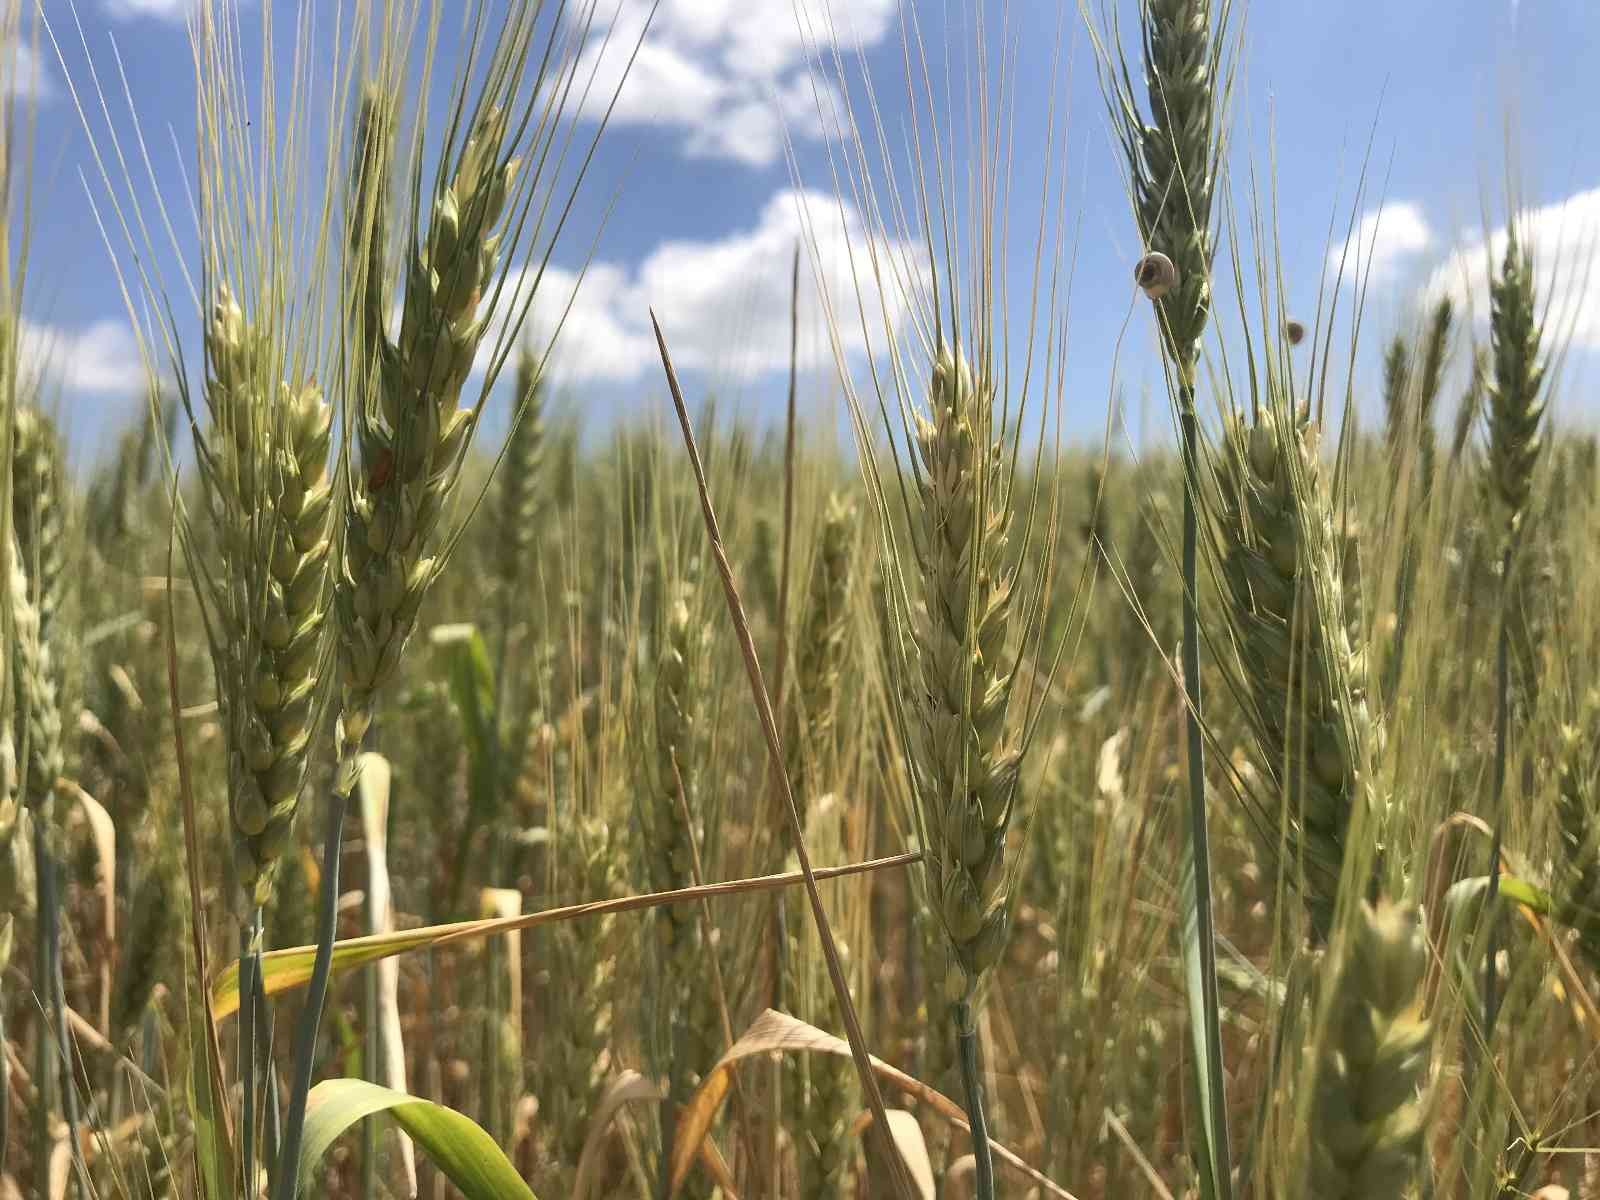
(778, 1033)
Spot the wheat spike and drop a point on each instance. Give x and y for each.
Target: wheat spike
(520, 474)
(1369, 1106)
(1578, 817)
(265, 470)
(1174, 161)
(820, 653)
(967, 764)
(583, 963)
(38, 509)
(691, 1041)
(154, 932)
(1514, 387)
(1303, 679)
(409, 429)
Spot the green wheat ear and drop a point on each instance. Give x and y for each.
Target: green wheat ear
(967, 766)
(1299, 672)
(1370, 1103)
(265, 468)
(1515, 385)
(408, 427)
(1578, 817)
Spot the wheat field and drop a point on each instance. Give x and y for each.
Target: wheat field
(414, 786)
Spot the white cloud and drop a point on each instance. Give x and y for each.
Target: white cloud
(1562, 238)
(1384, 239)
(101, 358)
(729, 75)
(166, 10)
(24, 76)
(723, 304)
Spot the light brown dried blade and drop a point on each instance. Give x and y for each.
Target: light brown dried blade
(774, 1032)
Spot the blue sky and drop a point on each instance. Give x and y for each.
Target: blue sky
(705, 219)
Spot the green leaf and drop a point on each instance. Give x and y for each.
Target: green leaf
(471, 679)
(1474, 888)
(1200, 981)
(460, 1149)
(213, 1154)
(472, 693)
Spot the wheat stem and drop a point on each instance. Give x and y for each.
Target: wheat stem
(286, 1185)
(972, 1081)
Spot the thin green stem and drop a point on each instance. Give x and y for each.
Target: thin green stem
(286, 1185)
(1199, 842)
(271, 1131)
(5, 1082)
(249, 963)
(1502, 721)
(972, 1081)
(44, 1066)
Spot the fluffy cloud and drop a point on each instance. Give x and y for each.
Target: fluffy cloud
(167, 10)
(101, 358)
(1383, 241)
(24, 76)
(724, 304)
(731, 76)
(1562, 238)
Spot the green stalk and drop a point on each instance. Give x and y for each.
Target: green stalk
(1502, 721)
(44, 1066)
(249, 962)
(972, 1080)
(1209, 1034)
(285, 1187)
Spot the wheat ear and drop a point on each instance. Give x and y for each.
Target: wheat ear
(672, 831)
(265, 467)
(1302, 678)
(1578, 816)
(37, 582)
(1369, 1102)
(1515, 393)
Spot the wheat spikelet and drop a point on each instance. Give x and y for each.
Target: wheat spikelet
(265, 472)
(520, 474)
(689, 1041)
(153, 933)
(1579, 822)
(38, 518)
(37, 716)
(1397, 416)
(583, 962)
(407, 424)
(1174, 160)
(1368, 1107)
(1514, 388)
(1435, 353)
(966, 766)
(820, 653)
(1470, 407)
(1301, 677)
